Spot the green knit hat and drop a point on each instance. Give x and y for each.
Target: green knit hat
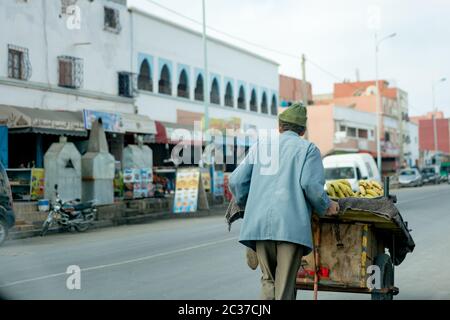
(295, 114)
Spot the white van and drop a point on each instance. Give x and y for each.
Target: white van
(351, 166)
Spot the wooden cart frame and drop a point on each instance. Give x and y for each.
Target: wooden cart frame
(368, 236)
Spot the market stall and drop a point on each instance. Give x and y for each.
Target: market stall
(350, 249)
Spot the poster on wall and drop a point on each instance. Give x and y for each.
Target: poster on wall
(190, 194)
(37, 184)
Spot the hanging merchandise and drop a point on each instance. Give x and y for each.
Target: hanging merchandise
(218, 184)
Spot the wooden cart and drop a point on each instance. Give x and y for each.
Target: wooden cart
(347, 248)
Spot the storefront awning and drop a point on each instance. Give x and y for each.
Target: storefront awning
(161, 134)
(137, 123)
(23, 120)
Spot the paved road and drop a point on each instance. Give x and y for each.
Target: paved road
(199, 259)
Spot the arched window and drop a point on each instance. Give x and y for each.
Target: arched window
(145, 80)
(253, 101)
(229, 98)
(241, 98)
(199, 89)
(165, 84)
(273, 106)
(215, 94)
(183, 85)
(264, 106)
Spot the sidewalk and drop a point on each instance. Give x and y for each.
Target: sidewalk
(119, 214)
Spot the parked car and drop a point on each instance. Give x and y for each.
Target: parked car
(352, 166)
(431, 175)
(410, 178)
(7, 217)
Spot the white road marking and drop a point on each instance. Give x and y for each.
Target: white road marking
(121, 262)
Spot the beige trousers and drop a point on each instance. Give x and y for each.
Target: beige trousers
(279, 263)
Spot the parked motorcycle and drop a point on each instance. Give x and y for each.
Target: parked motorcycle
(70, 215)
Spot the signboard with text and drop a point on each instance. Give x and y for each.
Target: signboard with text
(112, 122)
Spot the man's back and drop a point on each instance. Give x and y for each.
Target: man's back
(277, 207)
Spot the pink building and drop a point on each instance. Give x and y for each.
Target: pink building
(340, 129)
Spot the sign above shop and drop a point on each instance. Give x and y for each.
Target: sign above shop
(112, 122)
(121, 122)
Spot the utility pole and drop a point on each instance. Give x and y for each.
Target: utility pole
(304, 87)
(401, 118)
(205, 65)
(378, 108)
(433, 89)
(304, 84)
(378, 100)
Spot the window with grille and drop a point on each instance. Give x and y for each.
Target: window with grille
(145, 80)
(264, 106)
(65, 4)
(165, 83)
(19, 66)
(183, 85)
(363, 133)
(70, 71)
(199, 89)
(274, 106)
(112, 20)
(229, 99)
(253, 102)
(215, 95)
(351, 132)
(126, 84)
(241, 98)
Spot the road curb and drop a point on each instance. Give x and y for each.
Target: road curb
(137, 219)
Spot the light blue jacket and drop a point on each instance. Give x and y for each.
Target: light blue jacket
(278, 204)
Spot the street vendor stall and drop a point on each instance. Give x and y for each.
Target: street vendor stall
(355, 251)
(350, 250)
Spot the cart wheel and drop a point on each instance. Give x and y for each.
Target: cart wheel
(387, 276)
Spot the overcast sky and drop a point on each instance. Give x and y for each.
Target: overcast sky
(339, 36)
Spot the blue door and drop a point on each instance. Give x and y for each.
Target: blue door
(4, 146)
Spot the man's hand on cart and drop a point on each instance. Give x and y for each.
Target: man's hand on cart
(333, 210)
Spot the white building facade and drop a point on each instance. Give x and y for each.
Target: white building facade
(168, 59)
(412, 153)
(40, 38)
(103, 56)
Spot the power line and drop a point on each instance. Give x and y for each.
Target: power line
(257, 45)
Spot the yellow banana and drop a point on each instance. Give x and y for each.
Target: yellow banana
(339, 192)
(344, 181)
(350, 192)
(345, 190)
(362, 190)
(377, 185)
(372, 193)
(330, 191)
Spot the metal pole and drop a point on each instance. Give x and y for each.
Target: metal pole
(434, 119)
(206, 96)
(205, 65)
(304, 87)
(378, 108)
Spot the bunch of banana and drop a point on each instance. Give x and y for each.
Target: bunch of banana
(369, 189)
(340, 189)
